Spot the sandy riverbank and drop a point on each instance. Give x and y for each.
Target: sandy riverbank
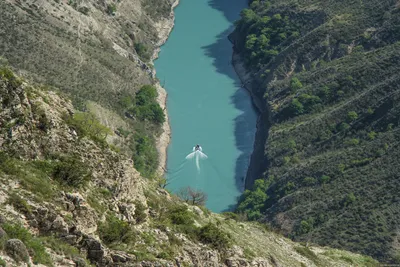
(164, 28)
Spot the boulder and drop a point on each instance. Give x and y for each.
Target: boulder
(121, 257)
(59, 225)
(2, 233)
(16, 249)
(70, 239)
(94, 250)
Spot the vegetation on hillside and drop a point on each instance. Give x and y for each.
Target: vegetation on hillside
(148, 117)
(63, 186)
(328, 72)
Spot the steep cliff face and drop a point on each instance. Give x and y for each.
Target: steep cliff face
(326, 75)
(68, 199)
(99, 53)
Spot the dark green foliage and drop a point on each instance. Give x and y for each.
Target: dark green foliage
(211, 234)
(34, 245)
(295, 84)
(264, 35)
(19, 203)
(71, 171)
(86, 124)
(145, 155)
(140, 212)
(332, 91)
(8, 75)
(352, 116)
(146, 106)
(148, 116)
(143, 51)
(111, 9)
(114, 230)
(8, 165)
(181, 215)
(252, 201)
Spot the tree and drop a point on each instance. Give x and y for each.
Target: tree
(295, 84)
(192, 196)
(86, 124)
(352, 116)
(296, 107)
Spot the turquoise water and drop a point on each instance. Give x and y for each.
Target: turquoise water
(206, 103)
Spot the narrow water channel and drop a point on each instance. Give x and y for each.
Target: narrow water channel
(206, 104)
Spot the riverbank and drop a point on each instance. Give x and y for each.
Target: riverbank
(164, 28)
(257, 159)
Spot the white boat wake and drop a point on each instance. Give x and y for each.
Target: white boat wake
(197, 154)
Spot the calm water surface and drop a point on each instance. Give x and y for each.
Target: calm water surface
(206, 103)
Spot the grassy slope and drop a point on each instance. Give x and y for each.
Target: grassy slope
(333, 173)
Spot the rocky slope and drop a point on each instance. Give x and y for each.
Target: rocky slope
(68, 199)
(325, 77)
(92, 51)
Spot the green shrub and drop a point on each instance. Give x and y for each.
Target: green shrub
(86, 124)
(115, 230)
(145, 155)
(325, 179)
(34, 245)
(143, 51)
(111, 9)
(308, 181)
(211, 234)
(295, 84)
(146, 106)
(72, 172)
(352, 116)
(19, 203)
(348, 199)
(61, 247)
(248, 253)
(8, 165)
(252, 201)
(8, 75)
(140, 212)
(305, 226)
(181, 215)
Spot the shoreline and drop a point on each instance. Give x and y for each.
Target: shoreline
(164, 28)
(245, 77)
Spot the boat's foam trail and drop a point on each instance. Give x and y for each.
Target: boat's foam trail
(197, 161)
(191, 155)
(202, 155)
(198, 155)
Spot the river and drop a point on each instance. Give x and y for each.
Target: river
(206, 103)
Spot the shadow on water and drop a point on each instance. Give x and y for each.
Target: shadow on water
(230, 8)
(245, 123)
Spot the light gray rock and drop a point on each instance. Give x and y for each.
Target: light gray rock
(2, 233)
(16, 249)
(60, 225)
